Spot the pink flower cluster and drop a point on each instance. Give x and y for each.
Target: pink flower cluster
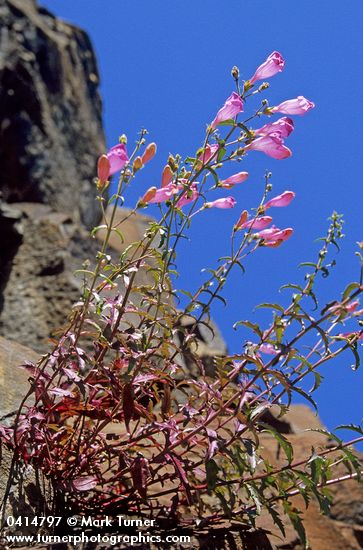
(272, 236)
(275, 132)
(268, 139)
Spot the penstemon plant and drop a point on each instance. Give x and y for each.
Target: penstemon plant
(114, 419)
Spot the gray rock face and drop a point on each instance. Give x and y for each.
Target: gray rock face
(42, 250)
(50, 111)
(50, 136)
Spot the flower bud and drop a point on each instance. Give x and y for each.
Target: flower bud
(149, 153)
(172, 163)
(235, 72)
(241, 220)
(137, 165)
(103, 169)
(263, 86)
(149, 195)
(167, 176)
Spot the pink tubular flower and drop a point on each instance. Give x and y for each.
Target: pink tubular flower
(280, 200)
(226, 202)
(232, 180)
(297, 106)
(283, 127)
(256, 223)
(272, 145)
(274, 236)
(230, 109)
(164, 194)
(117, 157)
(273, 65)
(188, 196)
(208, 153)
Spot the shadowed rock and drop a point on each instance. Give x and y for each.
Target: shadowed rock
(50, 111)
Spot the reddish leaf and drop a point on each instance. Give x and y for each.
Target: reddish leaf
(182, 475)
(128, 404)
(140, 471)
(166, 400)
(84, 483)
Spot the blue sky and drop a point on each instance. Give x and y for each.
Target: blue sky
(166, 66)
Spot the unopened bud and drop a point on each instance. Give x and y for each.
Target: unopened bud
(150, 194)
(235, 72)
(167, 176)
(172, 163)
(137, 165)
(263, 86)
(241, 220)
(123, 139)
(149, 153)
(103, 169)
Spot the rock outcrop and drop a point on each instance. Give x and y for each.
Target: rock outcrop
(50, 135)
(342, 529)
(50, 112)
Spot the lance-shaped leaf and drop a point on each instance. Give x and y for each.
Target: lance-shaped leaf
(84, 483)
(128, 404)
(140, 472)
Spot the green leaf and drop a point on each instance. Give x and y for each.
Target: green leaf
(222, 151)
(212, 470)
(293, 286)
(297, 523)
(96, 229)
(318, 378)
(214, 174)
(276, 519)
(354, 349)
(306, 396)
(352, 427)
(229, 122)
(250, 325)
(271, 306)
(227, 510)
(283, 442)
